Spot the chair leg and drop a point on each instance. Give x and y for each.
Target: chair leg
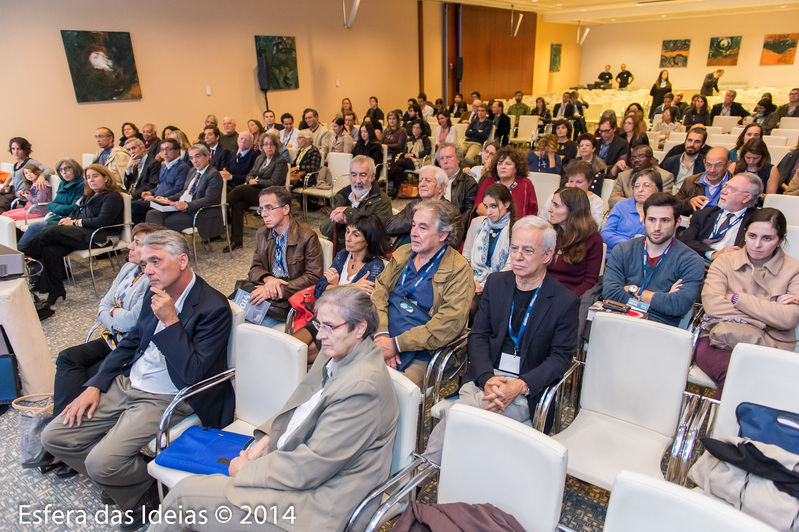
(304, 207)
(91, 270)
(194, 246)
(227, 237)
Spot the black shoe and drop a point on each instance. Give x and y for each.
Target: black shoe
(42, 459)
(52, 297)
(149, 501)
(233, 247)
(106, 499)
(64, 471)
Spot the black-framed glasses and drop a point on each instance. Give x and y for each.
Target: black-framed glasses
(267, 209)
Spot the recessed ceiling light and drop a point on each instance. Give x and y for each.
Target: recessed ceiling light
(558, 5)
(613, 20)
(582, 10)
(663, 16)
(783, 6)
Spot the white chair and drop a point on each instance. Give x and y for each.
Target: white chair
(791, 244)
(721, 140)
(533, 499)
(792, 135)
(89, 254)
(7, 167)
(460, 130)
(737, 130)
(778, 152)
(639, 502)
(714, 130)
(8, 232)
(265, 378)
(726, 123)
(654, 138)
(193, 231)
(659, 155)
(774, 140)
(339, 167)
(327, 253)
(668, 145)
(789, 122)
(631, 398)
(607, 189)
(87, 159)
(545, 185)
(679, 136)
(789, 205)
(527, 131)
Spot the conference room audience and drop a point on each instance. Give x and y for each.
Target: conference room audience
(510, 167)
(749, 297)
(755, 158)
(544, 158)
(626, 219)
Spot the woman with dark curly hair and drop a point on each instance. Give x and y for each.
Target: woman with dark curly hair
(21, 149)
(698, 113)
(510, 168)
(129, 131)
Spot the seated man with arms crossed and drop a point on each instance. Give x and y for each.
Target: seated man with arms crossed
(509, 371)
(424, 293)
(655, 273)
(180, 339)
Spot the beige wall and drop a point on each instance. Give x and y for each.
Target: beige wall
(638, 45)
(183, 46)
(571, 55)
(433, 50)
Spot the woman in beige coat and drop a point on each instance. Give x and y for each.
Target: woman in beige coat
(749, 296)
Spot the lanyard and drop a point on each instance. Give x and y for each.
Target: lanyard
(517, 339)
(720, 234)
(422, 274)
(649, 278)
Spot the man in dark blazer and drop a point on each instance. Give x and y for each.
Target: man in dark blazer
(179, 339)
(568, 108)
(203, 189)
(611, 148)
(171, 179)
(510, 367)
(237, 164)
(717, 230)
(142, 171)
(219, 155)
(729, 107)
(501, 123)
(579, 114)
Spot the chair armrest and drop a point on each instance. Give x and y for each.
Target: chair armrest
(91, 331)
(306, 177)
(104, 228)
(707, 407)
(201, 209)
(675, 465)
(13, 203)
(443, 359)
(695, 324)
(335, 181)
(28, 211)
(182, 395)
(290, 321)
(539, 417)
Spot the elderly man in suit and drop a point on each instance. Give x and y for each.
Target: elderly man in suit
(203, 189)
(179, 339)
(110, 155)
(141, 173)
(509, 371)
(326, 449)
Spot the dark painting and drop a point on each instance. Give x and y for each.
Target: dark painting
(724, 51)
(101, 64)
(674, 54)
(280, 54)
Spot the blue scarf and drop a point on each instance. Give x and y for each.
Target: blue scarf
(480, 248)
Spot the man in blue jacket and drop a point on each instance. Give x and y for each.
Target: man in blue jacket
(171, 179)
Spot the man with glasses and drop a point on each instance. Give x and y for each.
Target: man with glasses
(424, 293)
(171, 178)
(692, 159)
(612, 149)
(704, 189)
(524, 334)
(110, 155)
(655, 273)
(641, 160)
(287, 258)
(717, 230)
(790, 109)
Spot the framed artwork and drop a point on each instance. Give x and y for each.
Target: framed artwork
(674, 54)
(280, 54)
(101, 64)
(724, 51)
(554, 57)
(779, 49)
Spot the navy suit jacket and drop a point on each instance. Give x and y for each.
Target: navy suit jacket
(208, 192)
(173, 180)
(238, 169)
(549, 341)
(736, 109)
(502, 133)
(220, 156)
(701, 227)
(195, 349)
(145, 178)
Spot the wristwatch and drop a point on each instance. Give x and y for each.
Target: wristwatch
(633, 289)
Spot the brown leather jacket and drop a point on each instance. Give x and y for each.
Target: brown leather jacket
(690, 188)
(303, 258)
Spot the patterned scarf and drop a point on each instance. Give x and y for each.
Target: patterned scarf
(480, 248)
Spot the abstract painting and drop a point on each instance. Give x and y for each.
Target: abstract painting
(554, 57)
(102, 65)
(280, 54)
(674, 54)
(779, 49)
(724, 51)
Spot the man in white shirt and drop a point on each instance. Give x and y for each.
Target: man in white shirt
(179, 339)
(288, 135)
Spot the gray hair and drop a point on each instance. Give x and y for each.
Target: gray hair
(305, 133)
(210, 116)
(448, 218)
(272, 137)
(458, 152)
(203, 149)
(173, 242)
(754, 186)
(354, 305)
(77, 169)
(547, 231)
(438, 173)
(364, 159)
(135, 140)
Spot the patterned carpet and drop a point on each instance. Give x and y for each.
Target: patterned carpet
(583, 505)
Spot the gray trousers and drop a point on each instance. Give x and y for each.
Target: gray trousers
(471, 395)
(106, 447)
(206, 494)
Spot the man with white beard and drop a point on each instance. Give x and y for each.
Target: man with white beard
(363, 194)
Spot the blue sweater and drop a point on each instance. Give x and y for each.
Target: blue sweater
(622, 224)
(626, 267)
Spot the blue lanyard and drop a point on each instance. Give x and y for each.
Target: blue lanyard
(517, 339)
(423, 274)
(649, 278)
(716, 234)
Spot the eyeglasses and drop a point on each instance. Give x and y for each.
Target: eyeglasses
(167, 148)
(267, 209)
(324, 327)
(603, 131)
(639, 157)
(527, 251)
(643, 185)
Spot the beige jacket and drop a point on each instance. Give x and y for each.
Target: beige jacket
(453, 290)
(757, 291)
(116, 163)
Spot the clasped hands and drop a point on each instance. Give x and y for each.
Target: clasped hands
(271, 289)
(500, 393)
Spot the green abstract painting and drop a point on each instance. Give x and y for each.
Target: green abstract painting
(554, 57)
(280, 54)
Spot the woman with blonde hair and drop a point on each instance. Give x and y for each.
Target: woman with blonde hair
(545, 158)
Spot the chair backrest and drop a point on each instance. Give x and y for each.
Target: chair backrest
(527, 126)
(657, 119)
(778, 152)
(8, 232)
(721, 140)
(761, 375)
(607, 188)
(7, 167)
(789, 122)
(327, 253)
(238, 319)
(668, 145)
(532, 495)
(654, 138)
(737, 130)
(791, 134)
(87, 159)
(223, 202)
(55, 181)
(678, 136)
(775, 140)
(292, 154)
(512, 120)
(409, 397)
(384, 168)
(127, 218)
(791, 244)
(641, 379)
(640, 502)
(269, 366)
(339, 164)
(715, 130)
(789, 205)
(545, 185)
(659, 155)
(491, 135)
(726, 122)
(461, 130)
